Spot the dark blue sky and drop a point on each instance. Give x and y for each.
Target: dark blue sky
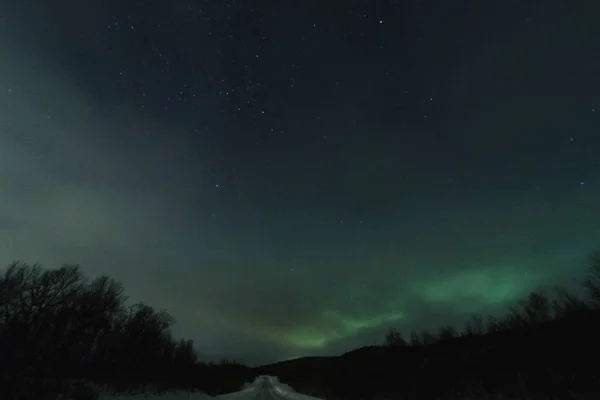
(292, 178)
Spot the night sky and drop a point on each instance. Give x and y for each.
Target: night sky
(292, 178)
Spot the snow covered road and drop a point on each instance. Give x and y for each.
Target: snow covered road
(263, 388)
(266, 388)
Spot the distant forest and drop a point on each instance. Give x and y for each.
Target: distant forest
(537, 308)
(547, 346)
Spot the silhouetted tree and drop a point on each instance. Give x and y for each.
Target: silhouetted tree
(56, 324)
(447, 333)
(394, 338)
(592, 281)
(536, 308)
(566, 304)
(415, 339)
(474, 326)
(184, 354)
(492, 324)
(428, 338)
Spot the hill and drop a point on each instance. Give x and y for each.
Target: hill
(544, 348)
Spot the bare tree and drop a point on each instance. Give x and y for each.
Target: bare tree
(592, 281)
(415, 339)
(184, 353)
(428, 338)
(536, 308)
(55, 323)
(566, 304)
(492, 324)
(475, 325)
(394, 338)
(447, 333)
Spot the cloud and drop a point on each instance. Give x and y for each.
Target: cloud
(71, 191)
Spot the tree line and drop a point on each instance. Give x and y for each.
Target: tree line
(537, 308)
(544, 347)
(57, 324)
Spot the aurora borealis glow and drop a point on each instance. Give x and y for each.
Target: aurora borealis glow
(294, 180)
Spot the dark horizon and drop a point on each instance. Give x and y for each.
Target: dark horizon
(291, 181)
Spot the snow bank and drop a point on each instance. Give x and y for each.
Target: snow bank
(241, 395)
(287, 392)
(181, 395)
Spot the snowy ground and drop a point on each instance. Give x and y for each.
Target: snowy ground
(166, 396)
(263, 388)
